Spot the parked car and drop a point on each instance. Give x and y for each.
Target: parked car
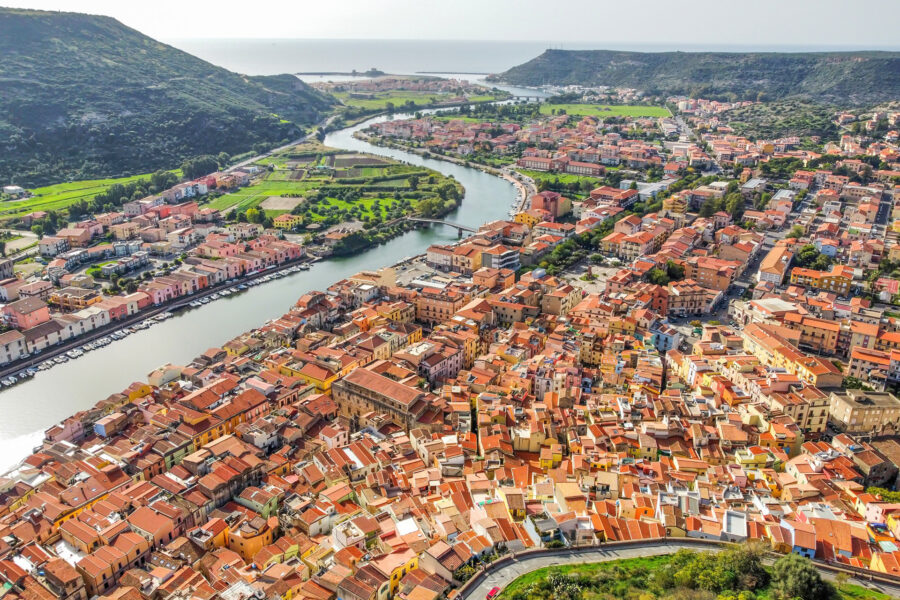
(493, 593)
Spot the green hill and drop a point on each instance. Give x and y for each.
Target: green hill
(84, 96)
(857, 78)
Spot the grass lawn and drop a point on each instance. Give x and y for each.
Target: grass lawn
(847, 592)
(252, 196)
(400, 97)
(61, 195)
(607, 110)
(461, 118)
(563, 177)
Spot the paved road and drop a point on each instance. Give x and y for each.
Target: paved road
(506, 575)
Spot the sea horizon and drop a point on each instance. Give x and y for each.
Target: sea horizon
(263, 56)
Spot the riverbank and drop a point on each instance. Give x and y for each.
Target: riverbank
(78, 384)
(431, 107)
(177, 304)
(524, 185)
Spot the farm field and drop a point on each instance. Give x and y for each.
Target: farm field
(334, 187)
(607, 110)
(398, 98)
(61, 195)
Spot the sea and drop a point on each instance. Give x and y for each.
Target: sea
(444, 57)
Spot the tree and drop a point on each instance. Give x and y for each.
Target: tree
(131, 287)
(38, 230)
(413, 182)
(795, 577)
(199, 166)
(674, 270)
(254, 215)
(747, 562)
(2, 248)
(822, 262)
(796, 232)
(657, 276)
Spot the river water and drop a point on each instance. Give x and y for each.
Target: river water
(29, 408)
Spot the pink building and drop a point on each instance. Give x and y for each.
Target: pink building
(26, 313)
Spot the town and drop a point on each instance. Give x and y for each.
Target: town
(109, 274)
(708, 356)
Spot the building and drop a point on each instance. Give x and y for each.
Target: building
(26, 313)
(287, 221)
(775, 265)
(52, 245)
(865, 412)
(364, 391)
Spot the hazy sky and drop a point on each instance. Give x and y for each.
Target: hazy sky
(861, 23)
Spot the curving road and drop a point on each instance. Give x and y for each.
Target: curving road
(519, 566)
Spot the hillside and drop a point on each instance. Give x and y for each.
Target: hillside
(84, 96)
(768, 120)
(857, 78)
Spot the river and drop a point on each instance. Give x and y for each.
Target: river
(50, 396)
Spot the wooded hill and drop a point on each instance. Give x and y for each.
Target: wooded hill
(846, 78)
(84, 96)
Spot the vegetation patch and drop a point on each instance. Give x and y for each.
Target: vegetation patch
(736, 573)
(605, 110)
(770, 120)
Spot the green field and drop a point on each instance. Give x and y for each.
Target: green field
(400, 97)
(60, 196)
(562, 177)
(304, 182)
(607, 110)
(461, 118)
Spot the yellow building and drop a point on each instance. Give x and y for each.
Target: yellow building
(525, 218)
(251, 535)
(395, 566)
(287, 221)
(74, 298)
(551, 456)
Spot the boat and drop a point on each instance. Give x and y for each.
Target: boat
(71, 354)
(195, 304)
(7, 381)
(304, 267)
(214, 297)
(31, 371)
(204, 300)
